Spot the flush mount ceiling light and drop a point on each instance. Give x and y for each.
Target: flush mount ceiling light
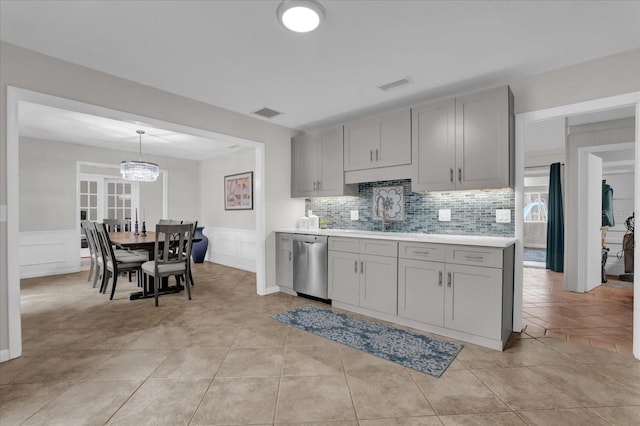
(139, 170)
(300, 16)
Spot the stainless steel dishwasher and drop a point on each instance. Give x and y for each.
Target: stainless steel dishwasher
(310, 265)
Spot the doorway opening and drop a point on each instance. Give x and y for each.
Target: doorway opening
(16, 97)
(571, 263)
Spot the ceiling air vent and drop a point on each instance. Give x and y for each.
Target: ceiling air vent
(267, 112)
(397, 83)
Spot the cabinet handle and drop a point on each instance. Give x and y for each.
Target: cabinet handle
(421, 252)
(474, 257)
(289, 256)
(449, 279)
(355, 266)
(371, 156)
(361, 267)
(451, 175)
(439, 278)
(459, 174)
(319, 185)
(377, 155)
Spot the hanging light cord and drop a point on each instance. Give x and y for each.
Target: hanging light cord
(140, 132)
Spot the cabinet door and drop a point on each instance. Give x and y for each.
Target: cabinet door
(360, 140)
(473, 300)
(433, 133)
(483, 140)
(394, 131)
(344, 277)
(379, 283)
(331, 175)
(284, 260)
(304, 165)
(421, 291)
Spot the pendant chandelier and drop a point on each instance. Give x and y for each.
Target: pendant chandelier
(139, 170)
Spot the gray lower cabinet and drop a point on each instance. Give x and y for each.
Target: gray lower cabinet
(284, 260)
(473, 300)
(421, 291)
(363, 273)
(461, 288)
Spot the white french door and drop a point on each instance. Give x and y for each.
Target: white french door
(105, 197)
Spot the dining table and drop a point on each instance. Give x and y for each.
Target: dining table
(147, 241)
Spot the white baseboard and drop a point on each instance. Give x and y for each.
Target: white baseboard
(232, 247)
(43, 253)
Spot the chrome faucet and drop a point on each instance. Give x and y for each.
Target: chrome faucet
(386, 203)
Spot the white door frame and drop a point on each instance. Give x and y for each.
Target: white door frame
(16, 95)
(589, 219)
(628, 99)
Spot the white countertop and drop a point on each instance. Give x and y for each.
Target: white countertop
(468, 240)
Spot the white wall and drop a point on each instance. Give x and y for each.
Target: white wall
(544, 143)
(212, 173)
(600, 78)
(48, 182)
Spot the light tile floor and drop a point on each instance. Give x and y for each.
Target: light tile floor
(220, 359)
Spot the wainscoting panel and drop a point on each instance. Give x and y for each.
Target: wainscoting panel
(232, 247)
(44, 253)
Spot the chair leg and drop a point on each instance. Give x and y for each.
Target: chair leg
(186, 284)
(113, 286)
(145, 284)
(91, 270)
(156, 285)
(98, 272)
(105, 281)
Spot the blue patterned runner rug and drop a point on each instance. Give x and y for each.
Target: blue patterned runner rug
(422, 353)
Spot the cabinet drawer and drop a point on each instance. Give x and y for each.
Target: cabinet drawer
(471, 255)
(285, 239)
(379, 247)
(422, 251)
(349, 245)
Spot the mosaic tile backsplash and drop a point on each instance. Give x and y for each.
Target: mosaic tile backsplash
(472, 212)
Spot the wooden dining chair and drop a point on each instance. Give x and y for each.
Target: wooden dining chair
(99, 265)
(86, 225)
(170, 262)
(195, 225)
(114, 264)
(117, 225)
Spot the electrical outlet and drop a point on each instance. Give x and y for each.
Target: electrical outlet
(444, 215)
(503, 216)
(355, 215)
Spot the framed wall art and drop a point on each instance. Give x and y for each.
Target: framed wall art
(238, 191)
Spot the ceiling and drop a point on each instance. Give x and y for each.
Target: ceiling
(235, 55)
(49, 123)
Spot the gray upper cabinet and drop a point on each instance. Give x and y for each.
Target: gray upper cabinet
(317, 164)
(378, 141)
(464, 143)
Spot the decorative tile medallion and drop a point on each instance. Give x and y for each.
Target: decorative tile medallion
(388, 203)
